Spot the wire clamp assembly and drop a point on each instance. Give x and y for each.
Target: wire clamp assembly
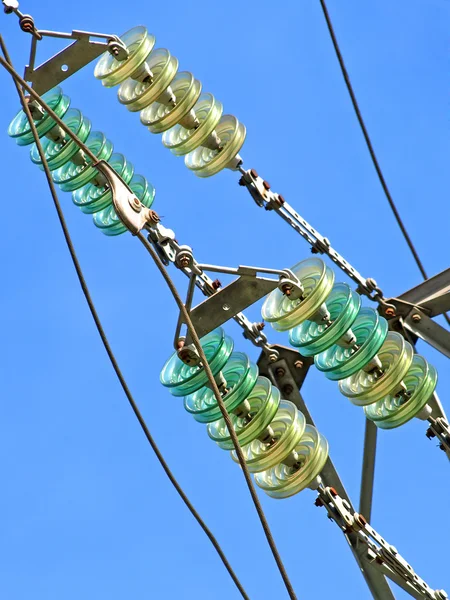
(133, 214)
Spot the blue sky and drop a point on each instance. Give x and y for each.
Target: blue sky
(86, 510)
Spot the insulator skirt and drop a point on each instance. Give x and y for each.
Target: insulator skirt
(274, 437)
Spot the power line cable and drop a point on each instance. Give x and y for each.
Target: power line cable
(102, 333)
(194, 335)
(370, 146)
(223, 410)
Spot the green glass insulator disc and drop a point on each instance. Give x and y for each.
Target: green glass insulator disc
(180, 140)
(139, 44)
(283, 481)
(288, 426)
(71, 176)
(393, 411)
(183, 379)
(137, 95)
(93, 198)
(312, 338)
(19, 127)
(370, 330)
(263, 400)
(206, 162)
(317, 280)
(107, 219)
(240, 374)
(159, 117)
(60, 153)
(395, 355)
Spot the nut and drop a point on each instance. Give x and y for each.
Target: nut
(390, 311)
(416, 318)
(266, 185)
(153, 217)
(260, 326)
(288, 389)
(253, 173)
(298, 364)
(184, 261)
(279, 372)
(216, 284)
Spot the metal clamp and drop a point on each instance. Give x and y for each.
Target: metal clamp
(130, 210)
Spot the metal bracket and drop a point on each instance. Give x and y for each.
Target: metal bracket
(69, 60)
(414, 319)
(130, 210)
(382, 555)
(230, 300)
(432, 295)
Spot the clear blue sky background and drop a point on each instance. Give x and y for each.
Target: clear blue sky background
(86, 511)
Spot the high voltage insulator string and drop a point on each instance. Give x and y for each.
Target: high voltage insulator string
(375, 369)
(71, 167)
(243, 411)
(56, 138)
(285, 454)
(370, 147)
(107, 346)
(171, 103)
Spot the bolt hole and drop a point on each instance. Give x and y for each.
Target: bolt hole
(64, 68)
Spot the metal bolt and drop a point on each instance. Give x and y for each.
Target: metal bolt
(260, 326)
(216, 284)
(253, 173)
(298, 364)
(273, 357)
(393, 549)
(333, 492)
(361, 520)
(442, 594)
(280, 200)
(26, 23)
(416, 318)
(184, 261)
(318, 501)
(390, 312)
(134, 203)
(279, 372)
(180, 343)
(288, 389)
(266, 185)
